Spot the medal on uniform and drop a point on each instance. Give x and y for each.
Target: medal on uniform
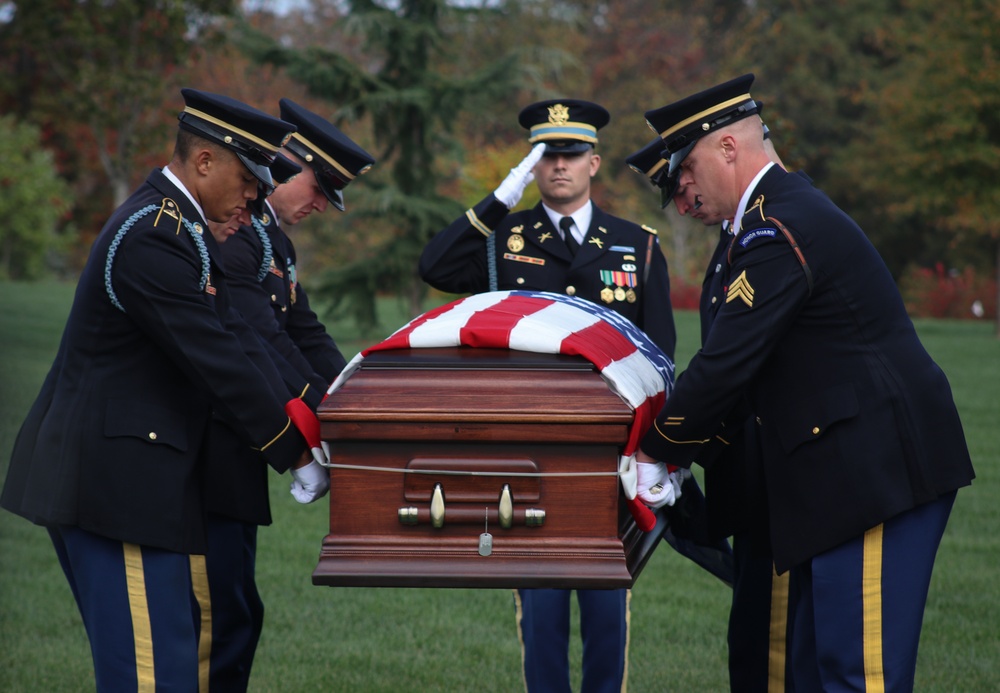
(607, 293)
(619, 293)
(515, 243)
(292, 280)
(630, 281)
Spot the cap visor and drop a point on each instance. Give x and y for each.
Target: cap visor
(260, 171)
(677, 158)
(331, 189)
(567, 147)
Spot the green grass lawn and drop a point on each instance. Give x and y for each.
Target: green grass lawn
(354, 639)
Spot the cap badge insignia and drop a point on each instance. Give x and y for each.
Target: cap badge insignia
(558, 114)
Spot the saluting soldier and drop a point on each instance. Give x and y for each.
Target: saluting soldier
(565, 244)
(108, 459)
(862, 449)
(311, 171)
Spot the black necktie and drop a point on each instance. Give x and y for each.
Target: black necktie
(571, 243)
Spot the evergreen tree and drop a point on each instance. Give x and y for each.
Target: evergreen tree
(411, 98)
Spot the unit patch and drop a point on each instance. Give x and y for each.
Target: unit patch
(755, 234)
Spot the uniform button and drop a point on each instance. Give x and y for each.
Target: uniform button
(815, 430)
(152, 435)
(571, 291)
(284, 308)
(520, 280)
(758, 421)
(713, 299)
(273, 297)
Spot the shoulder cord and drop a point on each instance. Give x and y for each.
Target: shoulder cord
(491, 259)
(120, 235)
(649, 257)
(268, 254)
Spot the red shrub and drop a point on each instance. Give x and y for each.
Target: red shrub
(940, 293)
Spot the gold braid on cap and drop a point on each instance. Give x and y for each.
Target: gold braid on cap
(267, 146)
(326, 157)
(704, 114)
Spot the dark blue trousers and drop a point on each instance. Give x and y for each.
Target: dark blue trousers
(859, 607)
(543, 622)
(758, 621)
(231, 611)
(136, 607)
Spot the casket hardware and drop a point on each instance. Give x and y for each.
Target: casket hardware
(506, 508)
(437, 507)
(411, 515)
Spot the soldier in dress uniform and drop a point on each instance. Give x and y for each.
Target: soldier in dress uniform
(565, 244)
(311, 170)
(758, 614)
(861, 446)
(108, 459)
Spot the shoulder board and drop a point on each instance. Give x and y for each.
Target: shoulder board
(649, 229)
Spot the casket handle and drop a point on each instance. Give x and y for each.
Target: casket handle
(412, 515)
(506, 508)
(437, 507)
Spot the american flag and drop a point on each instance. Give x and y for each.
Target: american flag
(632, 365)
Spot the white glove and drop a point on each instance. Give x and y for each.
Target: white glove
(656, 486)
(310, 482)
(517, 180)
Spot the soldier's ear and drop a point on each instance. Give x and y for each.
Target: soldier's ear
(203, 159)
(595, 164)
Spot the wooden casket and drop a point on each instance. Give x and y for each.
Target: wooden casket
(433, 449)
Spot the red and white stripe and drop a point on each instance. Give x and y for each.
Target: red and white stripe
(550, 324)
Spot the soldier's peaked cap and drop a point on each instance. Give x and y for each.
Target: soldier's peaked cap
(649, 162)
(333, 156)
(681, 124)
(564, 125)
(253, 135)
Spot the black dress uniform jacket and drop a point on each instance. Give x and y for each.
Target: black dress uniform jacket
(265, 290)
(730, 452)
(531, 255)
(260, 269)
(112, 443)
(856, 421)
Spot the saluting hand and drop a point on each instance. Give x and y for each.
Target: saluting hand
(517, 180)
